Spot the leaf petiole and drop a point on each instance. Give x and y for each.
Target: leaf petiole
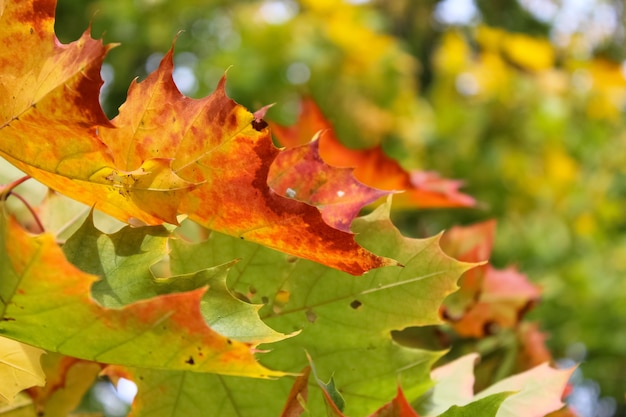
(8, 190)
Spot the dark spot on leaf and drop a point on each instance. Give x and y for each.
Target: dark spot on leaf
(241, 237)
(292, 259)
(259, 125)
(356, 304)
(265, 300)
(8, 319)
(311, 316)
(40, 413)
(190, 361)
(32, 31)
(491, 327)
(141, 378)
(230, 342)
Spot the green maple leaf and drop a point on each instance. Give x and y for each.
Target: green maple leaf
(345, 323)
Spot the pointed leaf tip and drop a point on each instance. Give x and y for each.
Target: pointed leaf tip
(302, 174)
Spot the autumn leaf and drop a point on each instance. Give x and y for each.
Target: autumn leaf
(296, 401)
(506, 295)
(372, 166)
(344, 322)
(230, 158)
(398, 407)
(521, 50)
(534, 393)
(211, 162)
(19, 368)
(489, 299)
(301, 174)
(50, 114)
(46, 302)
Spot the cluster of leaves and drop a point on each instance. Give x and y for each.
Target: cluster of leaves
(534, 128)
(279, 268)
(547, 128)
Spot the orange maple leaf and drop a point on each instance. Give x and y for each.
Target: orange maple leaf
(164, 155)
(301, 174)
(226, 151)
(505, 297)
(422, 189)
(489, 299)
(50, 113)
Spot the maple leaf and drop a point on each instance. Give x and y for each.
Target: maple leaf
(50, 113)
(163, 155)
(301, 174)
(220, 146)
(489, 299)
(533, 393)
(372, 166)
(45, 301)
(505, 297)
(345, 322)
(19, 368)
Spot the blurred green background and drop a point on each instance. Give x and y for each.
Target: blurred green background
(522, 100)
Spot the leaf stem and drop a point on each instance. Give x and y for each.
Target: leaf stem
(8, 190)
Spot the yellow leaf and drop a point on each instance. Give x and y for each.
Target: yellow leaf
(527, 52)
(19, 368)
(534, 54)
(452, 55)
